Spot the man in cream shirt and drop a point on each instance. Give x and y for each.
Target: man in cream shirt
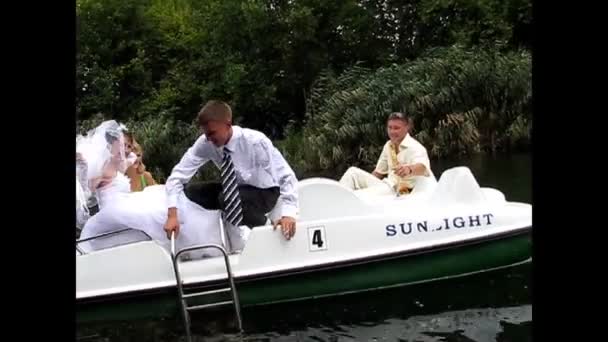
(403, 160)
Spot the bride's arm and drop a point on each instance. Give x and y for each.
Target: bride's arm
(107, 174)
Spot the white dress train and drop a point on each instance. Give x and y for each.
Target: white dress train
(147, 211)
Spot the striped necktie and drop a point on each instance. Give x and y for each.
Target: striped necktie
(233, 212)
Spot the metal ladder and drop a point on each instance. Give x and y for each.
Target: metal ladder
(184, 296)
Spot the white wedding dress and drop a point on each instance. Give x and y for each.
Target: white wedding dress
(147, 211)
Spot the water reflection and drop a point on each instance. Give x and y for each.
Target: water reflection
(486, 307)
(467, 325)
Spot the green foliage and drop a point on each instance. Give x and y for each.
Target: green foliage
(284, 64)
(141, 58)
(462, 101)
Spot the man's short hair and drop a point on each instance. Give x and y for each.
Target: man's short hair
(214, 110)
(400, 116)
(403, 117)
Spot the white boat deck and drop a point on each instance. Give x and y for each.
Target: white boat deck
(336, 225)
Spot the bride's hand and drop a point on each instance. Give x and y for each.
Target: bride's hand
(172, 225)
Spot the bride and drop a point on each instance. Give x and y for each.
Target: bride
(101, 160)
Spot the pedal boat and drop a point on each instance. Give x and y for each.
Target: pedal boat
(346, 241)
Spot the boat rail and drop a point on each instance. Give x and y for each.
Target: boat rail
(145, 237)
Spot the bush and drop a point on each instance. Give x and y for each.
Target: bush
(462, 101)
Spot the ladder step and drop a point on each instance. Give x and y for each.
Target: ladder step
(189, 295)
(198, 307)
(185, 308)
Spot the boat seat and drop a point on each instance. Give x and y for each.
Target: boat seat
(458, 186)
(321, 198)
(425, 184)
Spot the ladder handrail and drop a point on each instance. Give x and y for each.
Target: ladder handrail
(175, 260)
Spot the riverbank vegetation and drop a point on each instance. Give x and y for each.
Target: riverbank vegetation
(318, 77)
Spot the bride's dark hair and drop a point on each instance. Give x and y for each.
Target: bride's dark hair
(112, 134)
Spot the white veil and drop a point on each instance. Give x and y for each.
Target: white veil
(100, 151)
(101, 146)
(83, 193)
(82, 210)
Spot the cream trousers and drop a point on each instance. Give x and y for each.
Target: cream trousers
(357, 179)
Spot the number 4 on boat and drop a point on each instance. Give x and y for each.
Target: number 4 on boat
(316, 239)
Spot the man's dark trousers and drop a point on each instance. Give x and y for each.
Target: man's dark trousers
(256, 202)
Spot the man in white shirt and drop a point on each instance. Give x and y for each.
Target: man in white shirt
(255, 178)
(403, 159)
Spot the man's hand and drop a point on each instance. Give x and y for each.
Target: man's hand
(172, 224)
(404, 170)
(288, 226)
(378, 174)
